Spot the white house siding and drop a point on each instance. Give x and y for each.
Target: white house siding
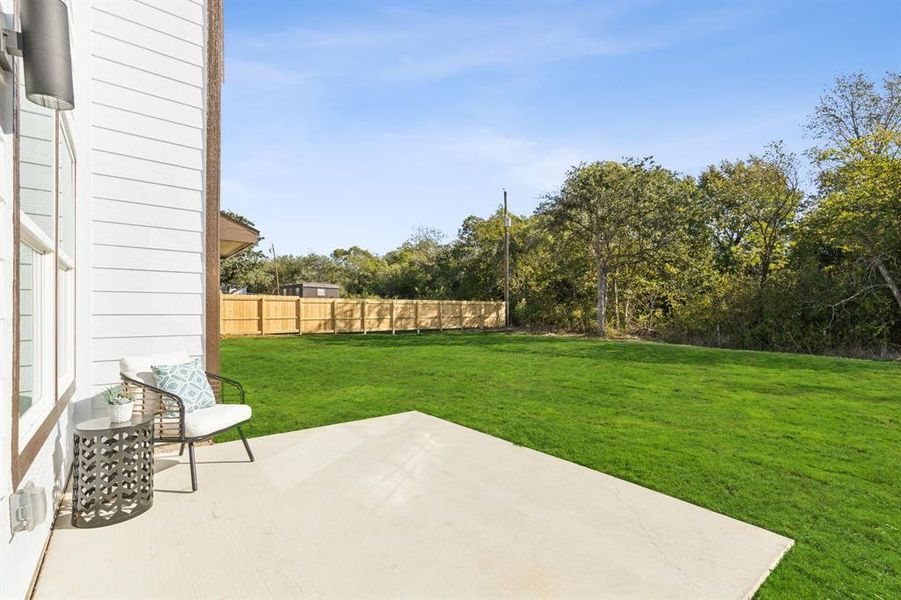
(20, 553)
(6, 307)
(147, 180)
(138, 130)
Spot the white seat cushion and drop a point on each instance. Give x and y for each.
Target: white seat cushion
(215, 418)
(139, 367)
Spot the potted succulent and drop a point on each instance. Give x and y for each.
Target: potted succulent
(121, 405)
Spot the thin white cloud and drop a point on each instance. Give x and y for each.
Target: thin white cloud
(380, 186)
(316, 162)
(422, 45)
(339, 39)
(719, 135)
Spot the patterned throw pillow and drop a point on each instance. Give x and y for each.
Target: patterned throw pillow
(188, 382)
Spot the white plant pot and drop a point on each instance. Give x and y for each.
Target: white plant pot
(119, 413)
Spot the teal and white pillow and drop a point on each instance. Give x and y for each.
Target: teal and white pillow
(188, 382)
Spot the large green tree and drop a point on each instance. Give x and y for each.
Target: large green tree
(361, 270)
(857, 127)
(624, 214)
(860, 214)
(855, 113)
(414, 270)
(753, 205)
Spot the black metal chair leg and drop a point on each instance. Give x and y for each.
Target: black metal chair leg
(193, 467)
(246, 445)
(181, 451)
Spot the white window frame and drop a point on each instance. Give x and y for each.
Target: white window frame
(44, 336)
(43, 245)
(52, 262)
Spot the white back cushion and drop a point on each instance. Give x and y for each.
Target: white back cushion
(139, 367)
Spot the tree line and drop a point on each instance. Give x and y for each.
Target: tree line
(744, 255)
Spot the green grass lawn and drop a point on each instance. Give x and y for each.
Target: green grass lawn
(808, 447)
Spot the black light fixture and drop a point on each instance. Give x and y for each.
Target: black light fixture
(44, 47)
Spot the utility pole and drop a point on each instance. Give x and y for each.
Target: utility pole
(278, 288)
(506, 263)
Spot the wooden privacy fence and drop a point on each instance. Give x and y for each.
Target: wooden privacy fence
(269, 315)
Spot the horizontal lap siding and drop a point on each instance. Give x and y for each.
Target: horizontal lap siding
(163, 282)
(146, 303)
(126, 211)
(146, 148)
(145, 259)
(146, 180)
(116, 187)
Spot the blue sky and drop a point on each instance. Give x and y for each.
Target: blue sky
(355, 123)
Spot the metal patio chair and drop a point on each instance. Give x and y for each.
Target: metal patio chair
(173, 424)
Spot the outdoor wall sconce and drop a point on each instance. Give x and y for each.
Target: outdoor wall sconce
(43, 45)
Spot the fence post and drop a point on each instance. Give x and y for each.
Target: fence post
(481, 315)
(363, 315)
(416, 314)
(462, 320)
(262, 309)
(393, 330)
(334, 319)
(440, 322)
(299, 309)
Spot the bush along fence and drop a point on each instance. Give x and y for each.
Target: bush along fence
(272, 315)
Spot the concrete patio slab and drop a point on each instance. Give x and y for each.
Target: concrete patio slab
(406, 505)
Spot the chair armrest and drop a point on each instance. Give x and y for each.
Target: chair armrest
(231, 382)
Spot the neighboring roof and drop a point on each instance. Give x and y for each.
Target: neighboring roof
(235, 236)
(312, 284)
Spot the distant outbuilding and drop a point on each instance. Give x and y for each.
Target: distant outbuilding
(310, 289)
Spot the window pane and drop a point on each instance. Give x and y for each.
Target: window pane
(65, 291)
(63, 325)
(36, 165)
(29, 309)
(66, 197)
